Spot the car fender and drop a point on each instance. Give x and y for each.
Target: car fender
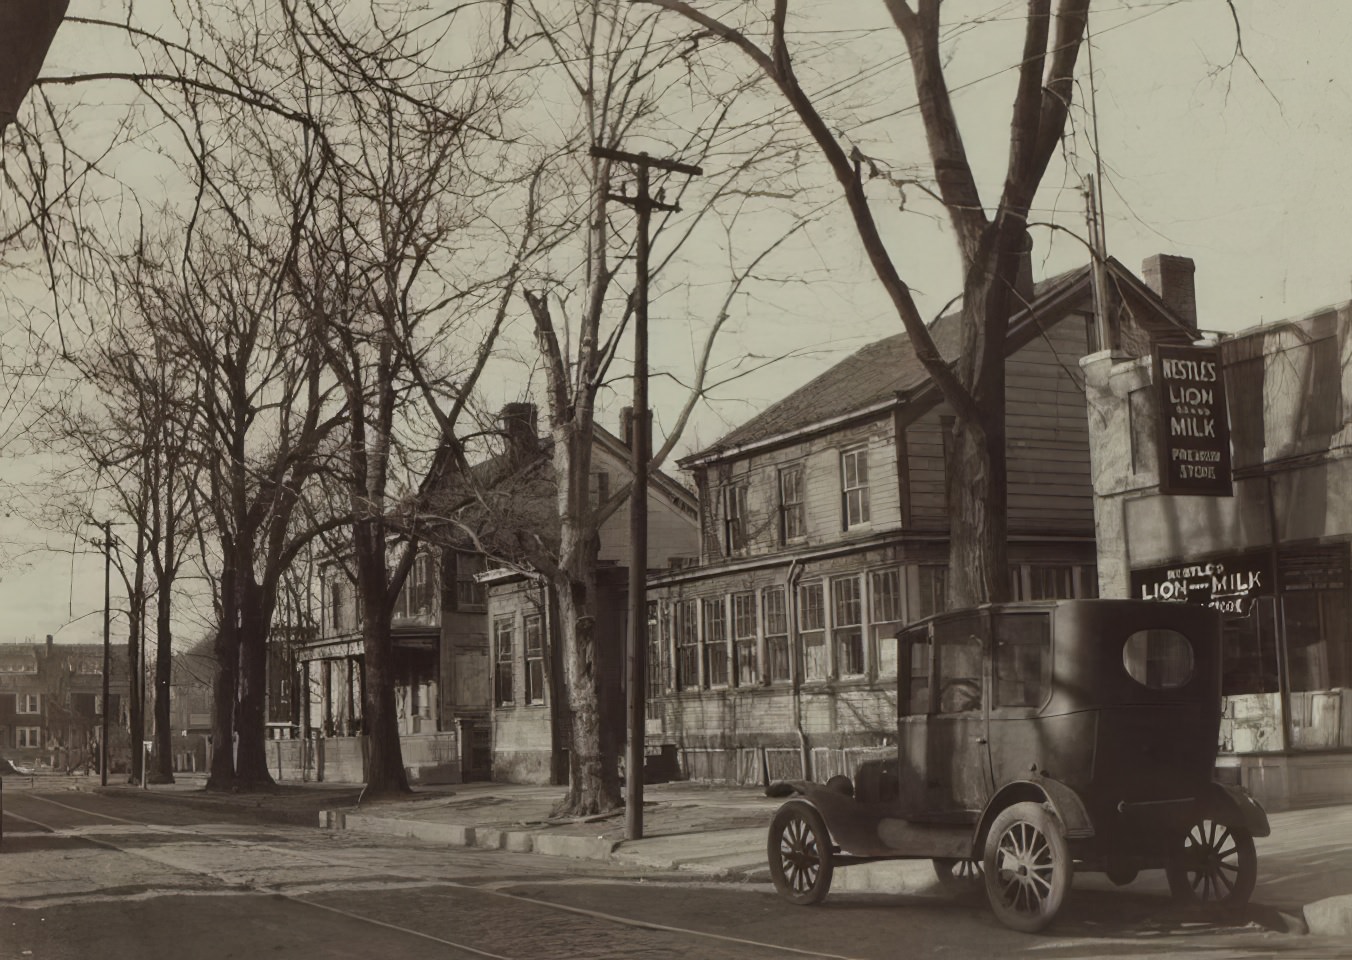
(1234, 806)
(1064, 801)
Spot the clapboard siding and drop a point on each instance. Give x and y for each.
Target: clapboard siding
(819, 459)
(1047, 435)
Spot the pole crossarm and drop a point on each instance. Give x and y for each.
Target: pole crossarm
(642, 159)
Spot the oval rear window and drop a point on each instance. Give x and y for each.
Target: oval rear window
(1158, 659)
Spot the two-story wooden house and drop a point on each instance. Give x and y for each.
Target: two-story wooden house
(456, 657)
(824, 529)
(529, 722)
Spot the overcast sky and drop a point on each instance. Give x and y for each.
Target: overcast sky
(1241, 168)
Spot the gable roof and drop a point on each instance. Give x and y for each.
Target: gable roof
(872, 378)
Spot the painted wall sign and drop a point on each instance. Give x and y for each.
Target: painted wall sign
(1228, 585)
(1194, 431)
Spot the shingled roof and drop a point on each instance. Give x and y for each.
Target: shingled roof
(868, 377)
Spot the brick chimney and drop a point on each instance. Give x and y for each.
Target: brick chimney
(520, 422)
(1171, 278)
(627, 426)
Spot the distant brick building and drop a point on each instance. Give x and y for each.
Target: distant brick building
(51, 705)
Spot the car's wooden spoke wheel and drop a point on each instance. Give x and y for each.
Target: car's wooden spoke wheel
(1216, 866)
(800, 853)
(1027, 866)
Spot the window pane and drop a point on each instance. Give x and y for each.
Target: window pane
(814, 655)
(532, 628)
(776, 635)
(933, 596)
(504, 643)
(1022, 659)
(1159, 659)
(811, 610)
(715, 643)
(959, 663)
(687, 651)
(885, 616)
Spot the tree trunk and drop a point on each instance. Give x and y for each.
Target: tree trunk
(978, 571)
(136, 606)
(163, 771)
(385, 774)
(251, 765)
(594, 781)
(224, 687)
(977, 482)
(560, 718)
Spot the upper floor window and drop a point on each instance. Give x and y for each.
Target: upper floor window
(599, 487)
(30, 703)
(469, 592)
(417, 598)
(854, 487)
(337, 617)
(791, 515)
(504, 642)
(734, 518)
(533, 628)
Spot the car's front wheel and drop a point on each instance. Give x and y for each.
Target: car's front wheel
(800, 853)
(1027, 865)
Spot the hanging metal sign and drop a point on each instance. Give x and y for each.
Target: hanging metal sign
(1194, 430)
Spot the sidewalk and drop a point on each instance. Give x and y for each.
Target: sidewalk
(719, 833)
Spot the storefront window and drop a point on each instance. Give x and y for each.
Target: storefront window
(1318, 666)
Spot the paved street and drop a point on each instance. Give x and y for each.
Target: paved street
(85, 875)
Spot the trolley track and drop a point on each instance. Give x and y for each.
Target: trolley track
(425, 894)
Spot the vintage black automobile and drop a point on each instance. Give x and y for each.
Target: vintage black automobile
(1034, 740)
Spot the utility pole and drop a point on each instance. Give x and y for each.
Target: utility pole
(107, 652)
(640, 444)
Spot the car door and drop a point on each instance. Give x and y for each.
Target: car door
(945, 762)
(959, 765)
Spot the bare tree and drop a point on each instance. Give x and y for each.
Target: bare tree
(618, 68)
(993, 242)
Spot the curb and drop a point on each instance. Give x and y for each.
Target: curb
(1331, 917)
(257, 808)
(483, 838)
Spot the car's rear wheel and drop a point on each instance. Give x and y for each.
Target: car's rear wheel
(1027, 866)
(1214, 866)
(800, 853)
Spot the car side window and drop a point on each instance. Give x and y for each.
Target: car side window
(1023, 646)
(960, 650)
(913, 672)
